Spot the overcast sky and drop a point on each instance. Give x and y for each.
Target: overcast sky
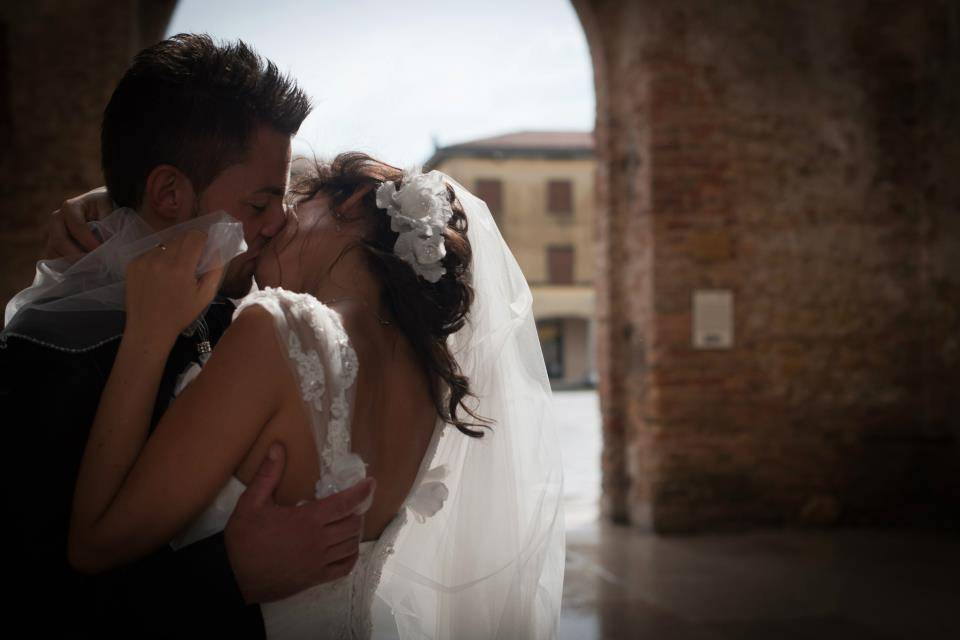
(389, 77)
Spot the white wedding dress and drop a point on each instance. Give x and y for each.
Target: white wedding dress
(325, 366)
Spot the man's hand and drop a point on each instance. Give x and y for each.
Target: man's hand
(68, 233)
(276, 551)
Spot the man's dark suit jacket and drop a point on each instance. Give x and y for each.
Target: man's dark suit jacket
(48, 399)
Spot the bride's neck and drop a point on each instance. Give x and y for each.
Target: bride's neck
(349, 276)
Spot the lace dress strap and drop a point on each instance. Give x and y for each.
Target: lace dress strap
(323, 361)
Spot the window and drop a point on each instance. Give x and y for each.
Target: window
(560, 197)
(550, 333)
(490, 190)
(560, 265)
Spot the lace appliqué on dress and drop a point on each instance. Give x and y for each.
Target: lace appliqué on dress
(310, 371)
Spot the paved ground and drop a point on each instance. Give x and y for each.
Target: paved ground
(857, 585)
(579, 415)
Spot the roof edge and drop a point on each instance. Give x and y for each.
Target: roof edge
(501, 153)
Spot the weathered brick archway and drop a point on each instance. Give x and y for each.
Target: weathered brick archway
(59, 63)
(799, 155)
(796, 153)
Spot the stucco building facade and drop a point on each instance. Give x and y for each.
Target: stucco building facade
(540, 188)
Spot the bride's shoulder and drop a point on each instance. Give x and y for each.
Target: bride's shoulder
(251, 338)
(296, 313)
(272, 299)
(263, 314)
(280, 298)
(252, 320)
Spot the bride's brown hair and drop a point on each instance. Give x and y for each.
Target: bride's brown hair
(426, 312)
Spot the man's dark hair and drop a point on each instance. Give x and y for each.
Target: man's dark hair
(194, 104)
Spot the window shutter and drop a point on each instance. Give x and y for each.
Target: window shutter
(490, 190)
(560, 265)
(560, 196)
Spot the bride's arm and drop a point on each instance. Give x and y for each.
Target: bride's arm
(134, 494)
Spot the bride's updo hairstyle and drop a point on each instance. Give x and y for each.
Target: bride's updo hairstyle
(426, 312)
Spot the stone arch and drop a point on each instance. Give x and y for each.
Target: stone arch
(796, 155)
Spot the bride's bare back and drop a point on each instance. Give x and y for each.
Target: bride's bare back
(393, 419)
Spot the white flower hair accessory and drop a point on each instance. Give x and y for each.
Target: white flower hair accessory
(419, 211)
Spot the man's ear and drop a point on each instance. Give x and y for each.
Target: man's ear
(169, 195)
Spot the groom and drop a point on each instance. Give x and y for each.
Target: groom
(193, 127)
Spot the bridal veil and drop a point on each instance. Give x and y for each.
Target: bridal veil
(490, 563)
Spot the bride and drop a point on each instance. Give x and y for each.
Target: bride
(394, 337)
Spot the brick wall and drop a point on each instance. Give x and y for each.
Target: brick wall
(799, 154)
(58, 65)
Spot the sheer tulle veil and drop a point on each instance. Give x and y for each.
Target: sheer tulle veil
(490, 563)
(90, 288)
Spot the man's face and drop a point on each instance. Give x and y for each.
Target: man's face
(252, 192)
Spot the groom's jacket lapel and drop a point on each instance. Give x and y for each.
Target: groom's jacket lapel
(185, 352)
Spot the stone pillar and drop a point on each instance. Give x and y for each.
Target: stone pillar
(59, 62)
(798, 154)
(623, 224)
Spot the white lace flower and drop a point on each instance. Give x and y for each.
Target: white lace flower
(346, 471)
(310, 372)
(419, 211)
(339, 408)
(430, 495)
(348, 360)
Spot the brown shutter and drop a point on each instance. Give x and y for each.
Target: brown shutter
(490, 190)
(560, 196)
(560, 265)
